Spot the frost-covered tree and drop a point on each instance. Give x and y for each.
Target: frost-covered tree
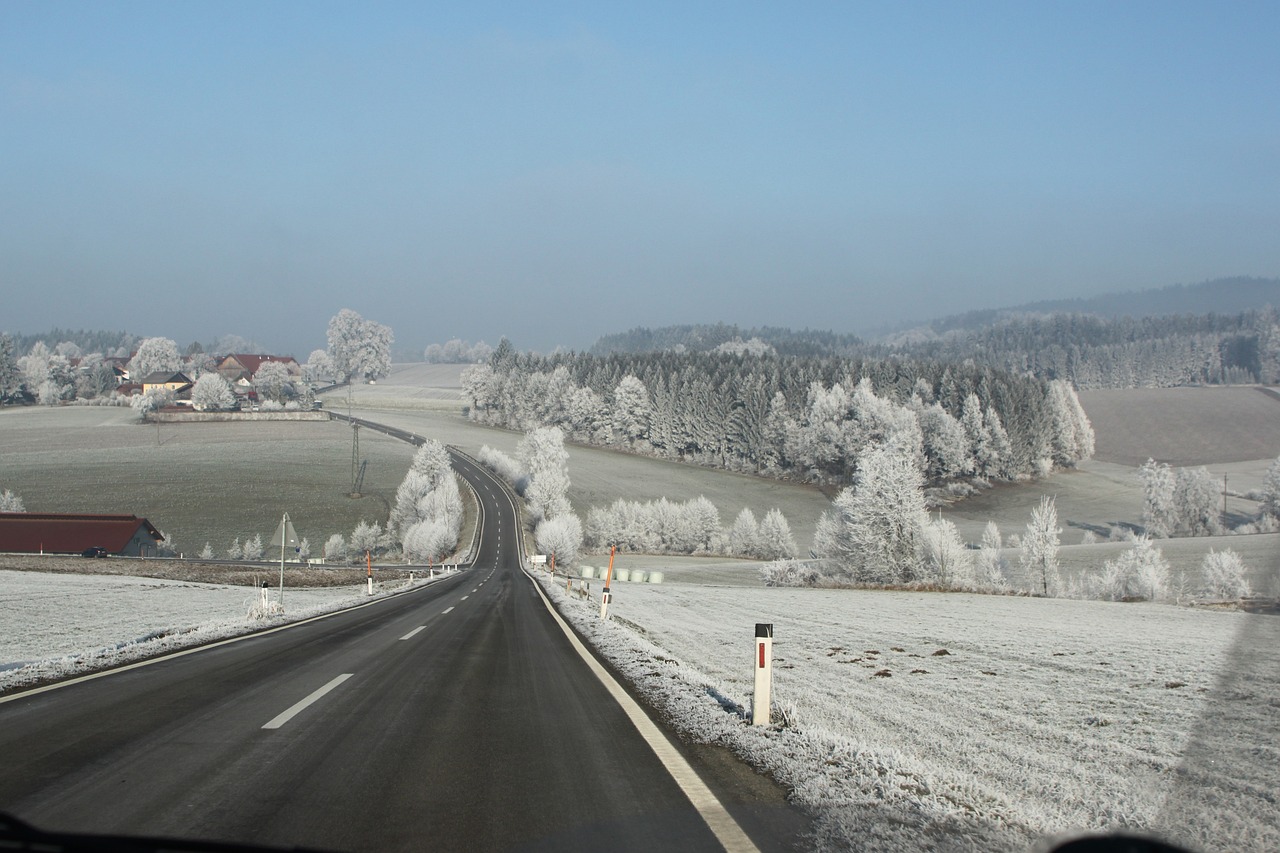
(253, 548)
(10, 373)
(457, 351)
(1223, 575)
(1195, 503)
(1271, 490)
(206, 553)
(1159, 515)
(9, 502)
(993, 568)
(1071, 433)
(561, 536)
(318, 367)
(236, 551)
(427, 515)
(744, 535)
(1139, 574)
(272, 379)
(155, 355)
(95, 378)
(365, 538)
(153, 398)
(948, 561)
(359, 348)
(775, 541)
(875, 529)
(542, 453)
(1038, 548)
(947, 447)
(335, 548)
(35, 365)
(212, 393)
(429, 540)
(632, 410)
(705, 530)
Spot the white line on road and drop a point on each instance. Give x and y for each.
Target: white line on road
(409, 636)
(464, 598)
(477, 589)
(306, 703)
(730, 835)
(446, 611)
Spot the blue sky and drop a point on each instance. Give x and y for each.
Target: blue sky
(556, 171)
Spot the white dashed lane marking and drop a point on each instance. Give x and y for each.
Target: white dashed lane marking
(306, 703)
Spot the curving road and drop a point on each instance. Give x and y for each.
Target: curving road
(454, 717)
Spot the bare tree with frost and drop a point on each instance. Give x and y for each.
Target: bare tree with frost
(1159, 515)
(948, 560)
(335, 548)
(9, 502)
(993, 568)
(1139, 574)
(1038, 553)
(1195, 503)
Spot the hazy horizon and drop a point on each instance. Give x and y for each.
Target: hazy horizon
(560, 172)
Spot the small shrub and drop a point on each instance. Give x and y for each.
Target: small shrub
(789, 573)
(1223, 575)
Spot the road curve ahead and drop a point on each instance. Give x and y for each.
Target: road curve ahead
(453, 717)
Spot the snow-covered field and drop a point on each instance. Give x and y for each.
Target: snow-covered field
(921, 721)
(56, 625)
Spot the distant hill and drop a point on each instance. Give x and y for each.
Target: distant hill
(1228, 296)
(707, 337)
(1225, 331)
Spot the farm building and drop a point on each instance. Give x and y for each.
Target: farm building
(239, 366)
(55, 533)
(175, 382)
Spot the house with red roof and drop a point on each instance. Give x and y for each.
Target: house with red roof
(242, 366)
(65, 533)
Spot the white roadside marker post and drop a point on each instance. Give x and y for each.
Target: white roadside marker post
(762, 701)
(607, 596)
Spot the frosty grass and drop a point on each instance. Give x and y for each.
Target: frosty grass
(921, 721)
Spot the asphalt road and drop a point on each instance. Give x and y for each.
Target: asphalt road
(454, 717)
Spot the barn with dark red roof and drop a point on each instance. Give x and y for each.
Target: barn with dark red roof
(58, 533)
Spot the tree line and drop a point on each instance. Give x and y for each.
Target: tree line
(789, 416)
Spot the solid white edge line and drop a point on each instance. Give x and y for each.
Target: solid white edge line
(411, 634)
(298, 708)
(727, 831)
